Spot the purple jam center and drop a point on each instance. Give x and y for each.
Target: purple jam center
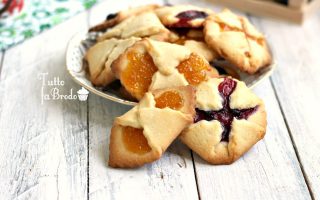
(186, 16)
(226, 115)
(111, 16)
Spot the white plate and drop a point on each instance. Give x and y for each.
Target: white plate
(80, 42)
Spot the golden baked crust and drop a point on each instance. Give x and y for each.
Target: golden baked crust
(121, 158)
(142, 25)
(101, 56)
(196, 34)
(235, 39)
(160, 126)
(122, 15)
(202, 49)
(167, 36)
(169, 15)
(97, 55)
(248, 124)
(165, 59)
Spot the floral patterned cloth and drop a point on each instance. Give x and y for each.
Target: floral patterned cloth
(37, 16)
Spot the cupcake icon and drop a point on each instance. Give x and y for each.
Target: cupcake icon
(83, 94)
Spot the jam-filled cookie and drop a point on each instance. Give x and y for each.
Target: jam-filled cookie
(142, 25)
(142, 134)
(101, 56)
(182, 16)
(150, 65)
(116, 18)
(229, 120)
(235, 39)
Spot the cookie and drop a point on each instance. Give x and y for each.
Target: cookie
(229, 120)
(235, 39)
(101, 56)
(116, 18)
(150, 65)
(182, 16)
(142, 134)
(142, 25)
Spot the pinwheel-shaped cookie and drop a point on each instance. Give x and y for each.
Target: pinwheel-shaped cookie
(101, 56)
(229, 120)
(150, 65)
(182, 16)
(235, 39)
(142, 134)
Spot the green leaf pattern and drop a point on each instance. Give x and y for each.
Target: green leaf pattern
(37, 16)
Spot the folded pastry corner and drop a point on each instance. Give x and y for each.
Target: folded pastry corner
(142, 134)
(101, 56)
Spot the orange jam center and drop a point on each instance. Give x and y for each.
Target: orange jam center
(171, 99)
(134, 140)
(137, 76)
(194, 69)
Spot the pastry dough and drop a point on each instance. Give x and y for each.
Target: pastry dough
(142, 25)
(142, 134)
(116, 18)
(236, 40)
(202, 49)
(230, 119)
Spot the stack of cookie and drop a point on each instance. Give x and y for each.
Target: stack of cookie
(163, 57)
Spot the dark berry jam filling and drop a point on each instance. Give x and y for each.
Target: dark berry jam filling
(186, 16)
(192, 14)
(226, 114)
(111, 16)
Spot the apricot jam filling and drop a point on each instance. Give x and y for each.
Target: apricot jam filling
(194, 69)
(171, 99)
(138, 74)
(134, 140)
